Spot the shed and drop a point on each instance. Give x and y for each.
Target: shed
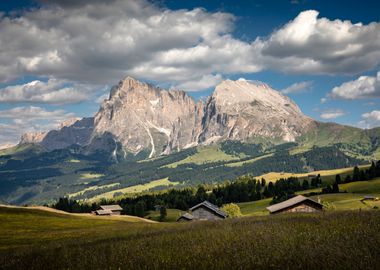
(369, 198)
(185, 217)
(103, 212)
(207, 211)
(109, 210)
(296, 204)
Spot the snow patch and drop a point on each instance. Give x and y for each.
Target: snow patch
(160, 129)
(154, 102)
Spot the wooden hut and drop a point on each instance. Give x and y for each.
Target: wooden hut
(185, 217)
(203, 211)
(296, 204)
(109, 210)
(207, 211)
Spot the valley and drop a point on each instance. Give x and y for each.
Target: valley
(143, 134)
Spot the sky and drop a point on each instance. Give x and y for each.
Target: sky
(59, 58)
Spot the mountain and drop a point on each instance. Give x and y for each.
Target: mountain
(74, 132)
(143, 134)
(32, 137)
(140, 118)
(241, 110)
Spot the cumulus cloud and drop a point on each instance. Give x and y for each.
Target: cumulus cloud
(332, 114)
(101, 43)
(312, 45)
(299, 87)
(98, 42)
(52, 91)
(370, 119)
(363, 87)
(205, 82)
(16, 121)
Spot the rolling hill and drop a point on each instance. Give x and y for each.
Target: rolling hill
(33, 239)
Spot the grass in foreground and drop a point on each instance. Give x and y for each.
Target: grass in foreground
(23, 227)
(336, 240)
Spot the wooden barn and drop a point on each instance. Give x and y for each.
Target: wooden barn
(109, 210)
(185, 217)
(297, 204)
(203, 211)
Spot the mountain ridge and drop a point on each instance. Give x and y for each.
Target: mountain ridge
(141, 117)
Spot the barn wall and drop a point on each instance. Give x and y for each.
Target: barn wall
(205, 214)
(302, 208)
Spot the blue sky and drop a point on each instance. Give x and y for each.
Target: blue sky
(58, 58)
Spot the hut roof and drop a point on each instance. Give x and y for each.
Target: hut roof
(210, 206)
(291, 202)
(186, 216)
(114, 207)
(103, 212)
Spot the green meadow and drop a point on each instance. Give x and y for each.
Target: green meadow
(350, 198)
(35, 239)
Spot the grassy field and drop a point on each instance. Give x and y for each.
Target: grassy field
(347, 201)
(90, 189)
(370, 187)
(205, 154)
(352, 200)
(24, 227)
(327, 175)
(255, 208)
(90, 175)
(135, 189)
(42, 240)
(172, 215)
(241, 163)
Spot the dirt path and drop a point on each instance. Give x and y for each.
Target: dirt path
(85, 215)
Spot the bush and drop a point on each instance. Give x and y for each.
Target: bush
(232, 210)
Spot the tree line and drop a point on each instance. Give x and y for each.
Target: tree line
(243, 189)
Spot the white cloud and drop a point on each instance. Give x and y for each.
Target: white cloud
(53, 91)
(370, 119)
(332, 114)
(205, 82)
(312, 45)
(101, 98)
(363, 87)
(299, 87)
(32, 113)
(100, 42)
(16, 121)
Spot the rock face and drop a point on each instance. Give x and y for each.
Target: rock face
(140, 117)
(72, 132)
(32, 137)
(241, 110)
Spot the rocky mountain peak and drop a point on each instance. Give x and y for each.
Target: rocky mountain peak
(139, 117)
(129, 83)
(240, 91)
(241, 110)
(32, 137)
(69, 122)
